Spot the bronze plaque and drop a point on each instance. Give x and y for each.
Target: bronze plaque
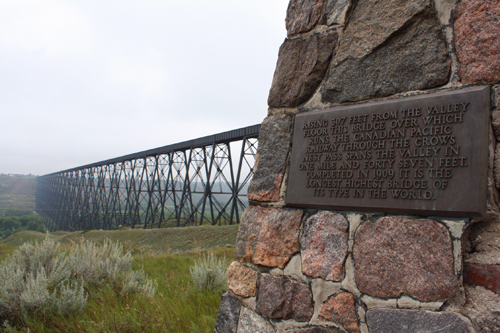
(422, 155)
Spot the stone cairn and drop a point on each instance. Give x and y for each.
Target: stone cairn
(320, 270)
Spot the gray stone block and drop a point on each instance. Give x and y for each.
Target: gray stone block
(402, 321)
(415, 58)
(303, 15)
(228, 316)
(274, 143)
(302, 64)
(315, 329)
(282, 298)
(250, 322)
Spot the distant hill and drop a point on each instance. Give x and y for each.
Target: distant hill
(17, 192)
(155, 240)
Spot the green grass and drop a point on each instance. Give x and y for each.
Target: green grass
(12, 201)
(18, 238)
(165, 255)
(6, 250)
(151, 240)
(177, 307)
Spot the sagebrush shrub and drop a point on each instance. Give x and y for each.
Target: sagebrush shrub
(94, 263)
(39, 278)
(209, 273)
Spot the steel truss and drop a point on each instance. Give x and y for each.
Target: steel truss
(201, 181)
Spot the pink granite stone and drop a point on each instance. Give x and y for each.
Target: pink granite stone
(341, 310)
(396, 255)
(477, 36)
(324, 246)
(242, 280)
(268, 236)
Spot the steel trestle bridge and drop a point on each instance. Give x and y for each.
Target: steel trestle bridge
(200, 181)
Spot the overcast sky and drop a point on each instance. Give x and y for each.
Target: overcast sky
(84, 81)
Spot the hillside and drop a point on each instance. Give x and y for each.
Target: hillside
(151, 240)
(17, 192)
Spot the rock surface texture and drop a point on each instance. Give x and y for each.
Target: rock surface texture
(274, 144)
(495, 122)
(395, 255)
(242, 280)
(303, 15)
(487, 276)
(496, 169)
(336, 11)
(367, 31)
(477, 32)
(341, 310)
(484, 246)
(282, 298)
(324, 246)
(315, 329)
(302, 64)
(228, 316)
(416, 51)
(251, 322)
(483, 309)
(268, 236)
(402, 321)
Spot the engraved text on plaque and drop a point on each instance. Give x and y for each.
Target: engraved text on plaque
(423, 155)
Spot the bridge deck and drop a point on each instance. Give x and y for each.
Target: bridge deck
(224, 137)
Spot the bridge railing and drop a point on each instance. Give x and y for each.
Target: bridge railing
(200, 181)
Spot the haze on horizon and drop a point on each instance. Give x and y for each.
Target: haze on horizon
(85, 81)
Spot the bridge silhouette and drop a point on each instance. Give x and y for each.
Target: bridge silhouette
(195, 182)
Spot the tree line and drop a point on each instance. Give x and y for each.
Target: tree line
(13, 220)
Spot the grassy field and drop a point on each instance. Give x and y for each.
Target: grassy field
(150, 240)
(166, 256)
